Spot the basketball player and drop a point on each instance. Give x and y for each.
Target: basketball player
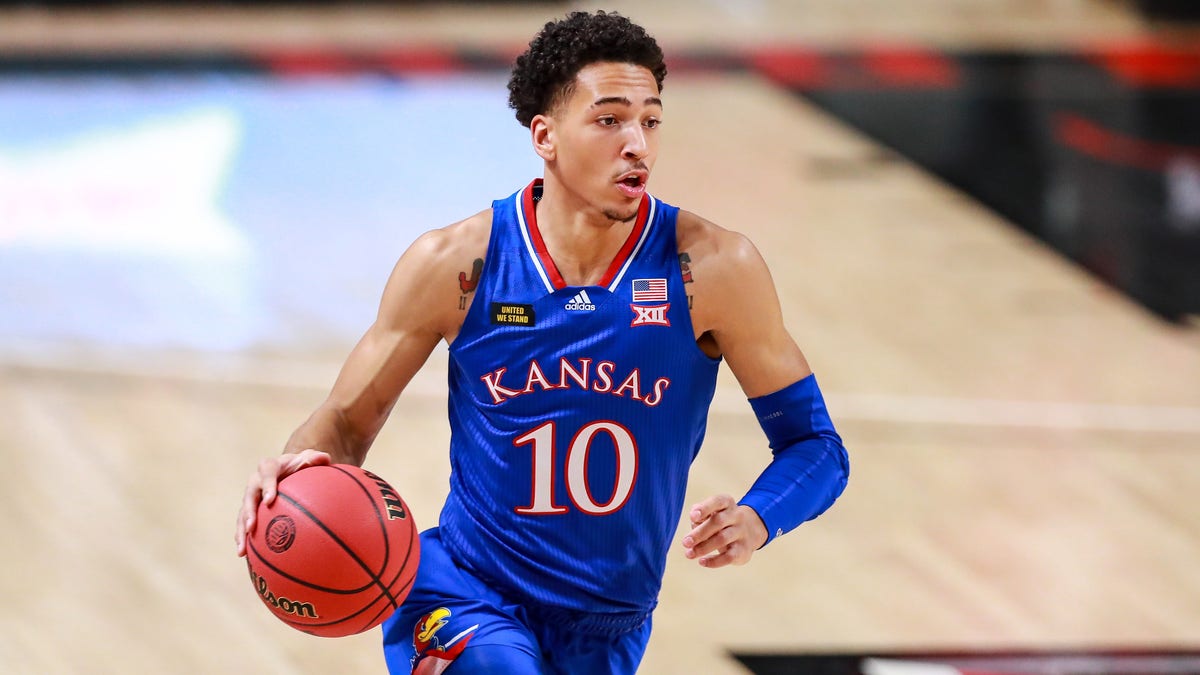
(586, 321)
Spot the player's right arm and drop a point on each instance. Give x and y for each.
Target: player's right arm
(422, 304)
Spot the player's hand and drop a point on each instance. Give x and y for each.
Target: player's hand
(723, 533)
(262, 483)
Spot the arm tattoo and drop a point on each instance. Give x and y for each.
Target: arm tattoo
(468, 284)
(685, 267)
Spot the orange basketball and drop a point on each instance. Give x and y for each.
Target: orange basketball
(336, 553)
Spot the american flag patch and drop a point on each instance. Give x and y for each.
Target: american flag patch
(649, 290)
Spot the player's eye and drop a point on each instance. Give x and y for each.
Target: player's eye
(652, 123)
(607, 121)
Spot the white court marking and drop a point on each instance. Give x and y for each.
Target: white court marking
(894, 408)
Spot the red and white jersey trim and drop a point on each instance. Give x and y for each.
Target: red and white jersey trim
(540, 255)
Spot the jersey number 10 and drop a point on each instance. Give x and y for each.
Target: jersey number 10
(542, 439)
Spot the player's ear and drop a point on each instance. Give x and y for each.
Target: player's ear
(541, 129)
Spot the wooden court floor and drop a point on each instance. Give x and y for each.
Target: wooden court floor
(1025, 443)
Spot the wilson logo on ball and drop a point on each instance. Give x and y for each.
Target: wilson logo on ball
(391, 501)
(282, 604)
(281, 532)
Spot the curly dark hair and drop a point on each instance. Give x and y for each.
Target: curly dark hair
(545, 74)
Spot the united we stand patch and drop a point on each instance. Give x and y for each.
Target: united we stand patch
(511, 314)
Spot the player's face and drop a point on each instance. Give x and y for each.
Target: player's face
(606, 137)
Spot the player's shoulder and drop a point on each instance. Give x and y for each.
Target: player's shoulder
(427, 286)
(722, 267)
(450, 244)
(711, 245)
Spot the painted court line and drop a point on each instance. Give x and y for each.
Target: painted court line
(1009, 413)
(894, 408)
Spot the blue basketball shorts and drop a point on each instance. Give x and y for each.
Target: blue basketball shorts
(455, 623)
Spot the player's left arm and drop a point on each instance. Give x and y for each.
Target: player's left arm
(738, 308)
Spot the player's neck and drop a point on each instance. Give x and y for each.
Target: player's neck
(581, 240)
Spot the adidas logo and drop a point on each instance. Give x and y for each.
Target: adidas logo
(581, 302)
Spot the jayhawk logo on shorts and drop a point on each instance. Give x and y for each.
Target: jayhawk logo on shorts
(432, 655)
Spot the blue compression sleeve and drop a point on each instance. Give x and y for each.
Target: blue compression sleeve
(810, 467)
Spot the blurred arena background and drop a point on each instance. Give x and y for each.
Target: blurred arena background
(983, 217)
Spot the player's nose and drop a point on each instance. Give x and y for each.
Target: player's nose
(635, 146)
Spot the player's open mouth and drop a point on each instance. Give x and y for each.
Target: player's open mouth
(633, 184)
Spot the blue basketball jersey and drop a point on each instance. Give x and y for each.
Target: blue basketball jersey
(575, 414)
